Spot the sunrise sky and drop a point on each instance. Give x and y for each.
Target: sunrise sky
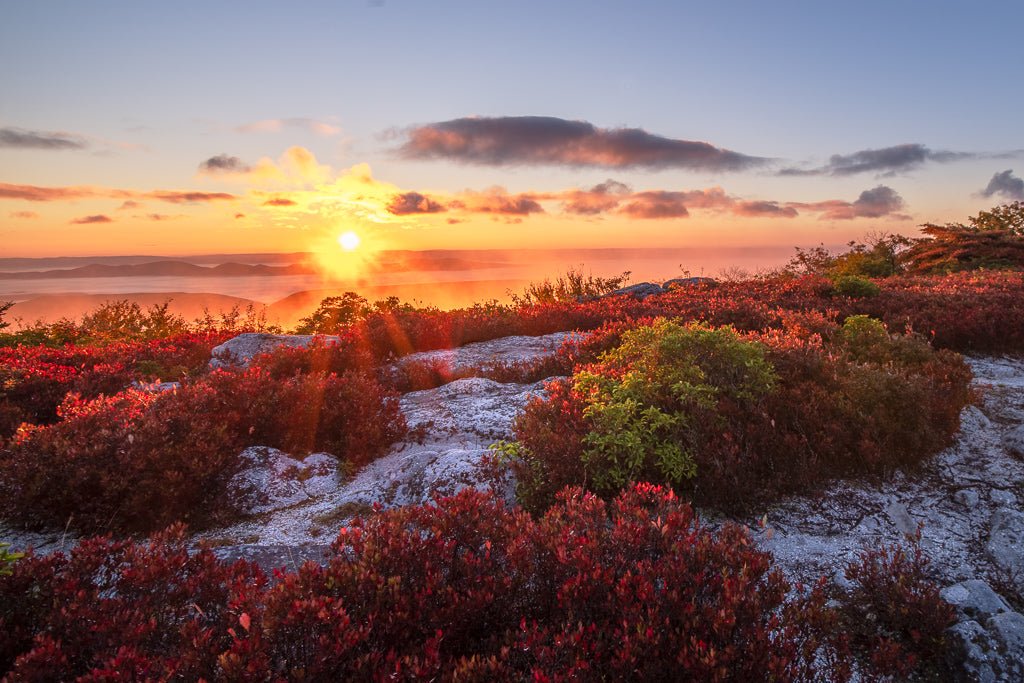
(198, 127)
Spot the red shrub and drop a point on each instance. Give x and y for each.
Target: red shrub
(120, 611)
(141, 461)
(35, 379)
(894, 615)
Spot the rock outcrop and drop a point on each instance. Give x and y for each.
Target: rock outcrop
(238, 351)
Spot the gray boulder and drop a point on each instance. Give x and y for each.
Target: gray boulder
(679, 282)
(1006, 543)
(1013, 441)
(270, 480)
(239, 351)
(640, 291)
(974, 600)
(988, 653)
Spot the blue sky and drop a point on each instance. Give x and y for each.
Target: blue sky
(155, 89)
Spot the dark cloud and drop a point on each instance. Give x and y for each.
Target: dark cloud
(34, 193)
(1005, 184)
(129, 205)
(512, 140)
(23, 214)
(279, 201)
(413, 203)
(160, 216)
(223, 163)
(874, 203)
(886, 161)
(86, 220)
(19, 138)
(506, 205)
(764, 209)
(239, 215)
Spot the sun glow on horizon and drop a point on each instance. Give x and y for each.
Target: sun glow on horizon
(349, 241)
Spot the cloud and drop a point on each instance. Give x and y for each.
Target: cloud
(161, 216)
(23, 214)
(764, 209)
(239, 215)
(657, 204)
(546, 140)
(497, 201)
(276, 125)
(130, 204)
(1005, 184)
(223, 163)
(874, 203)
(19, 138)
(35, 193)
(408, 203)
(279, 201)
(186, 197)
(598, 199)
(887, 161)
(86, 220)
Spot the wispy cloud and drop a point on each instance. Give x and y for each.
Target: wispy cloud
(279, 201)
(35, 193)
(19, 138)
(886, 161)
(27, 215)
(1005, 184)
(316, 126)
(547, 140)
(87, 220)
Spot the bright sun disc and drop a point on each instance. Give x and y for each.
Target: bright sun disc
(348, 240)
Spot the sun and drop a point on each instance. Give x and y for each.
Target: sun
(348, 240)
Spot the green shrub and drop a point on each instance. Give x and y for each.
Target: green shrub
(855, 286)
(7, 559)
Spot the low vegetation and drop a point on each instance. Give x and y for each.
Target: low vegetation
(844, 365)
(464, 589)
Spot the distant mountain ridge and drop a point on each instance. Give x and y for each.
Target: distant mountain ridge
(161, 268)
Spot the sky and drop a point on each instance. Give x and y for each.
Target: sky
(194, 127)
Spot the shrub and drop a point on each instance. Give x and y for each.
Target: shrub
(573, 286)
(139, 461)
(114, 610)
(855, 287)
(732, 420)
(894, 614)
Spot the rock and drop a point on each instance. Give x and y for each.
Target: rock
(156, 387)
(271, 480)
(968, 652)
(967, 497)
(679, 282)
(1002, 498)
(1006, 543)
(1013, 441)
(990, 652)
(974, 599)
(901, 518)
(515, 349)
(640, 291)
(238, 351)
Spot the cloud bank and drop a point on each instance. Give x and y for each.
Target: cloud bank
(886, 161)
(547, 140)
(19, 138)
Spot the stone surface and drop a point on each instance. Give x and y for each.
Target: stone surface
(506, 350)
(238, 351)
(1006, 543)
(640, 291)
(689, 282)
(1013, 441)
(974, 600)
(271, 480)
